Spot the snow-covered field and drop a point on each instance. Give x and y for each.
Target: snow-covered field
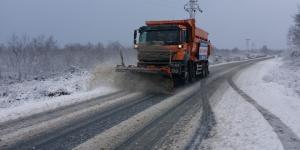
(31, 97)
(38, 90)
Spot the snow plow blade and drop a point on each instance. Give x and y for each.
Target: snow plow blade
(156, 80)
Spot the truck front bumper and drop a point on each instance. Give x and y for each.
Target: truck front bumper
(145, 70)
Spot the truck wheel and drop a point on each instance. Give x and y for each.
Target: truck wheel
(186, 78)
(208, 72)
(192, 73)
(205, 71)
(183, 79)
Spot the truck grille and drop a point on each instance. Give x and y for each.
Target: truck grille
(154, 55)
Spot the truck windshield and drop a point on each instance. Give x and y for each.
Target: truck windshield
(166, 37)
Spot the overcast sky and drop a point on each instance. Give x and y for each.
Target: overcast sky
(229, 22)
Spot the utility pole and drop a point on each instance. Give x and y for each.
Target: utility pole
(192, 7)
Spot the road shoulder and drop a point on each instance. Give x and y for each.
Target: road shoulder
(239, 125)
(276, 98)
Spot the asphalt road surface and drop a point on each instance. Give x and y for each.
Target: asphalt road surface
(122, 120)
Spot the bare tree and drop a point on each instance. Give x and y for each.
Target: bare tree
(294, 36)
(113, 48)
(28, 57)
(1, 58)
(99, 50)
(24, 58)
(17, 46)
(235, 50)
(41, 47)
(264, 49)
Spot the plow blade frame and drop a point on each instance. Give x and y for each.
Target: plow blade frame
(152, 77)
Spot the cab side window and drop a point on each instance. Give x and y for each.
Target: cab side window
(186, 36)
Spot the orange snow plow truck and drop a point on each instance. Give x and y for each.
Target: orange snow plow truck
(169, 53)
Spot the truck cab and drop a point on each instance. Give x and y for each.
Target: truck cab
(169, 53)
(177, 45)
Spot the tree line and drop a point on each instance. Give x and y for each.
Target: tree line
(294, 37)
(25, 58)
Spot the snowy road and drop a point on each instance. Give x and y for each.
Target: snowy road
(128, 120)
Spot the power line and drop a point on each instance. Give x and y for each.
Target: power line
(192, 7)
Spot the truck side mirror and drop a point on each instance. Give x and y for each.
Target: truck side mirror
(135, 36)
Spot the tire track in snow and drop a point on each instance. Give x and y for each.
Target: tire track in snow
(29, 134)
(288, 138)
(208, 120)
(27, 121)
(75, 134)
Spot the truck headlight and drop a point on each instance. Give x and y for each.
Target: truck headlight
(136, 46)
(180, 46)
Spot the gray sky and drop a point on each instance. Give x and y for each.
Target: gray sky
(229, 22)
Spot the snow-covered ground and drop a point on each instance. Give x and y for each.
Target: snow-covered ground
(240, 127)
(286, 73)
(15, 94)
(273, 84)
(31, 97)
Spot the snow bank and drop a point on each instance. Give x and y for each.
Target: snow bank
(286, 73)
(12, 95)
(240, 126)
(34, 107)
(275, 86)
(31, 97)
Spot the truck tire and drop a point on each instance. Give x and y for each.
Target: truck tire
(192, 72)
(182, 79)
(205, 71)
(186, 78)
